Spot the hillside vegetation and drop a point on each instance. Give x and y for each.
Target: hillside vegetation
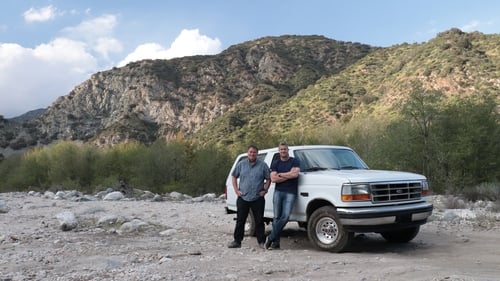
(431, 108)
(455, 63)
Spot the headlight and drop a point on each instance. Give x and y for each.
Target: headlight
(356, 192)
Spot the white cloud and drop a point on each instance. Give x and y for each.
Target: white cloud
(97, 33)
(476, 25)
(63, 51)
(471, 26)
(188, 43)
(105, 45)
(98, 27)
(31, 78)
(40, 15)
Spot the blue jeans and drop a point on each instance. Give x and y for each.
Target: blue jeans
(282, 206)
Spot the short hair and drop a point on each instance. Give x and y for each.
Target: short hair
(283, 143)
(252, 146)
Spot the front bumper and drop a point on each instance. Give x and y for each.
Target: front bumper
(384, 218)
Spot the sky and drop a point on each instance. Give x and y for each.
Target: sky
(48, 47)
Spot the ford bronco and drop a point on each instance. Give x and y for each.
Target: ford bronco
(338, 196)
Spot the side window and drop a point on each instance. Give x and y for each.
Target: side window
(261, 156)
(242, 158)
(276, 156)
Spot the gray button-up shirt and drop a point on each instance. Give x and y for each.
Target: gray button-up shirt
(251, 177)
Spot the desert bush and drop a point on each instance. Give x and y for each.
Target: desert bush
(160, 168)
(208, 171)
(9, 173)
(485, 191)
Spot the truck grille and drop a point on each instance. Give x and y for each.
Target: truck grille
(390, 192)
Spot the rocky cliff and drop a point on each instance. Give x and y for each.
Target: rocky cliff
(154, 99)
(273, 83)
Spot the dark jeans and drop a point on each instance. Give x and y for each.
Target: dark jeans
(243, 208)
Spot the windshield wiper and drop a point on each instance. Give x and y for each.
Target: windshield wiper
(314, 169)
(349, 168)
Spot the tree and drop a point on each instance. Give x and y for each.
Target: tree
(468, 135)
(208, 171)
(421, 110)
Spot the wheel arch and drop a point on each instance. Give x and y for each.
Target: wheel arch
(316, 204)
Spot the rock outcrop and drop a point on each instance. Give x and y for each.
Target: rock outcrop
(154, 99)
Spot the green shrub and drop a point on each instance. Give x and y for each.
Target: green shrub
(484, 191)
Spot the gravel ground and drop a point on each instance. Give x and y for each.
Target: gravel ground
(44, 238)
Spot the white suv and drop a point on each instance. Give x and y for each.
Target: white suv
(339, 195)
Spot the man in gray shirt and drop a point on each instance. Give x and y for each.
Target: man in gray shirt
(254, 182)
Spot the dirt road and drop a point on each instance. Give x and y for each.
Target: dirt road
(187, 241)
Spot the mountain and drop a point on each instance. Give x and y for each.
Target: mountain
(272, 83)
(154, 99)
(30, 115)
(456, 63)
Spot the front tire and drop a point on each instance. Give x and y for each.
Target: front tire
(326, 232)
(401, 236)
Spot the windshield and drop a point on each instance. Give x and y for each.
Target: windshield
(328, 158)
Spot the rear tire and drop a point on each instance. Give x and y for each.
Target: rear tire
(401, 236)
(326, 232)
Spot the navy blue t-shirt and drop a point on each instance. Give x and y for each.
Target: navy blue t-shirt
(280, 166)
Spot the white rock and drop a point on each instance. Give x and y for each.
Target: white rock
(67, 221)
(107, 220)
(176, 195)
(3, 207)
(198, 199)
(114, 196)
(168, 232)
(209, 196)
(34, 193)
(132, 226)
(49, 195)
(147, 195)
(157, 198)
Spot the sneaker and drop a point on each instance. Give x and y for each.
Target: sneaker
(234, 244)
(274, 246)
(268, 243)
(261, 245)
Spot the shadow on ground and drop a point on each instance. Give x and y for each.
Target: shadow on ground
(294, 237)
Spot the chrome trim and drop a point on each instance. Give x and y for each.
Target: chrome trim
(384, 214)
(382, 209)
(420, 216)
(373, 221)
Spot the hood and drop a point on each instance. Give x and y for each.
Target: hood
(361, 176)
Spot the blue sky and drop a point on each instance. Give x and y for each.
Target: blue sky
(47, 47)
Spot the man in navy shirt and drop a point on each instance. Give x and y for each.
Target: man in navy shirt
(253, 185)
(285, 173)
